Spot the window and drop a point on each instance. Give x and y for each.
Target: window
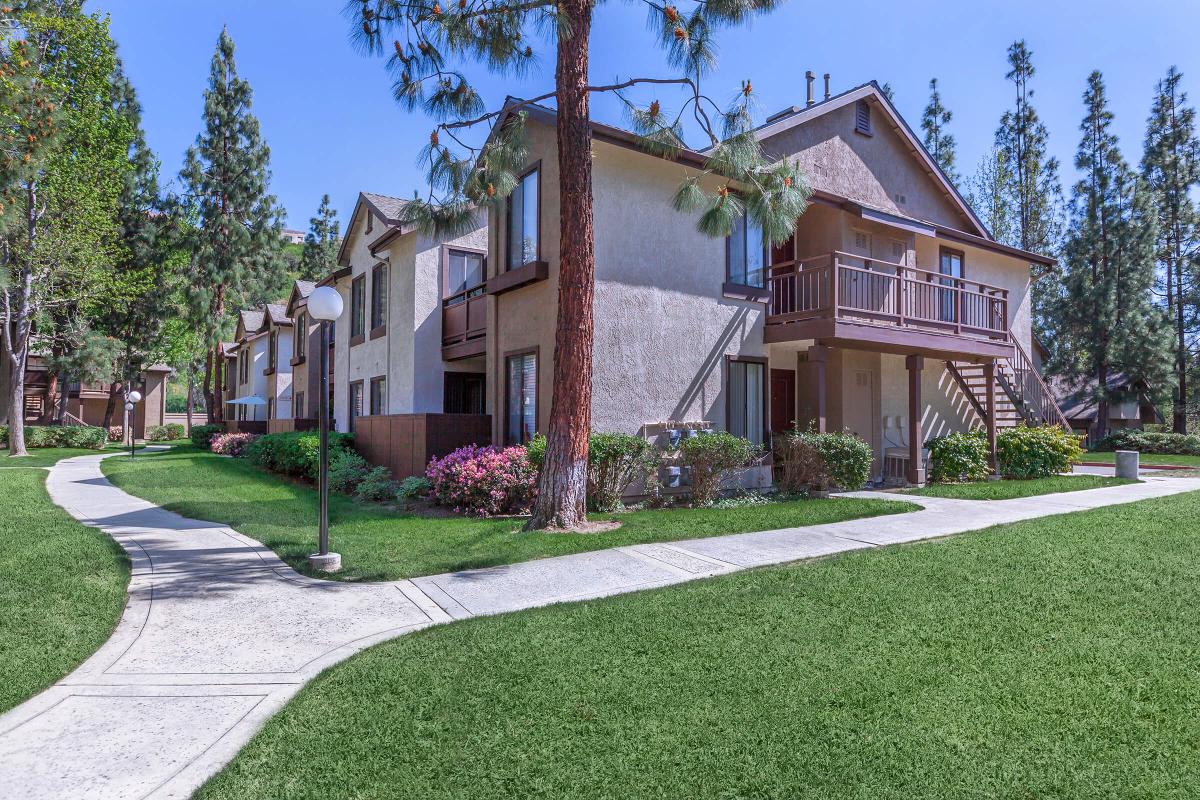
(523, 242)
(464, 276)
(358, 290)
(746, 254)
(370, 222)
(463, 393)
(747, 404)
(378, 296)
(950, 264)
(356, 405)
(300, 338)
(378, 395)
(272, 347)
(298, 405)
(243, 367)
(270, 408)
(521, 417)
(862, 117)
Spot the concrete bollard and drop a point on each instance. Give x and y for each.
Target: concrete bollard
(1127, 464)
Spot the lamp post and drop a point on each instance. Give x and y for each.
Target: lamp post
(325, 306)
(131, 401)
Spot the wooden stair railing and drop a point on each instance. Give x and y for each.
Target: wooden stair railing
(1029, 399)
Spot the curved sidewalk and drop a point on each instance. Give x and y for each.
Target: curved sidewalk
(219, 633)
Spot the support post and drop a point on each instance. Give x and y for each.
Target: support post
(323, 560)
(916, 439)
(989, 404)
(818, 356)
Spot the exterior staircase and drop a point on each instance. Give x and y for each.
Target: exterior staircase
(1022, 397)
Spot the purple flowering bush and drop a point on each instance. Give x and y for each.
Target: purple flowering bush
(232, 444)
(484, 481)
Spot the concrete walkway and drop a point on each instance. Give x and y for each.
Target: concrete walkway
(219, 633)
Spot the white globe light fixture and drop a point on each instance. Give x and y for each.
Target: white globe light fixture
(135, 396)
(325, 306)
(131, 399)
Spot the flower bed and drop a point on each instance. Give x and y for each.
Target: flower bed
(483, 481)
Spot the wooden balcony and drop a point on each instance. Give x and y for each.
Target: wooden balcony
(846, 300)
(464, 324)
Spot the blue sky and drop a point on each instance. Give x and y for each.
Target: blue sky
(328, 115)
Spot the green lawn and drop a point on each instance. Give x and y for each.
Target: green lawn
(62, 584)
(1147, 459)
(377, 544)
(1009, 489)
(45, 456)
(1050, 658)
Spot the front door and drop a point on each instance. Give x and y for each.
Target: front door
(783, 399)
(860, 409)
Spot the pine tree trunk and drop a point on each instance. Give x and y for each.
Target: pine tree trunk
(562, 486)
(191, 396)
(209, 394)
(1179, 421)
(114, 391)
(1100, 429)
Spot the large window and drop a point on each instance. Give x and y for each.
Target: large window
(950, 264)
(378, 296)
(378, 400)
(358, 291)
(523, 241)
(521, 416)
(464, 275)
(747, 256)
(747, 404)
(356, 403)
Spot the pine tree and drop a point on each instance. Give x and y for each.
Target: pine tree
(1108, 308)
(1171, 168)
(235, 251)
(988, 194)
(320, 243)
(429, 42)
(938, 142)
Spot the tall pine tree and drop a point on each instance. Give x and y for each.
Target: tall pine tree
(1108, 309)
(1171, 168)
(938, 141)
(320, 243)
(988, 194)
(236, 247)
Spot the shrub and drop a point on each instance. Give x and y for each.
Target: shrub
(202, 435)
(347, 469)
(377, 485)
(484, 480)
(847, 458)
(232, 444)
(535, 451)
(116, 433)
(958, 457)
(802, 466)
(413, 488)
(175, 431)
(295, 452)
(708, 456)
(1036, 452)
(76, 436)
(1155, 443)
(157, 433)
(615, 460)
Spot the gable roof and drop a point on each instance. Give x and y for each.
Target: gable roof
(387, 208)
(1077, 399)
(300, 292)
(250, 321)
(871, 91)
(277, 314)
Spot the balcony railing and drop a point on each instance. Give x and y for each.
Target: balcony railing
(844, 286)
(464, 316)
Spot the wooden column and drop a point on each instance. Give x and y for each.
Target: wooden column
(989, 404)
(818, 356)
(916, 439)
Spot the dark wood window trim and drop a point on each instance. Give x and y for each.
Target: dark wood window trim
(962, 259)
(740, 291)
(300, 339)
(469, 291)
(534, 167)
(350, 415)
(744, 291)
(535, 351)
(862, 118)
(358, 310)
(766, 394)
(533, 272)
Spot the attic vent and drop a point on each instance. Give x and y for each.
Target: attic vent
(900, 198)
(862, 117)
(782, 114)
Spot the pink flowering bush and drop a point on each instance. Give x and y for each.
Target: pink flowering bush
(232, 444)
(116, 433)
(484, 481)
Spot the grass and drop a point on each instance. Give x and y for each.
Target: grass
(62, 584)
(46, 456)
(1147, 459)
(378, 544)
(1049, 658)
(1009, 489)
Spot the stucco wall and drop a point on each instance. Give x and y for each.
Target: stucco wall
(870, 169)
(255, 383)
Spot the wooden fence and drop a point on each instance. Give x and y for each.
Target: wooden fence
(404, 443)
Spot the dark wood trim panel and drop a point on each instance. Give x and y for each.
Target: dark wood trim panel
(467, 349)
(740, 291)
(357, 340)
(885, 339)
(377, 332)
(533, 272)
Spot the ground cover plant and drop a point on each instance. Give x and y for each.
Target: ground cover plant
(1010, 489)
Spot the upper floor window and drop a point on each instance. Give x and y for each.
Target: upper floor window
(358, 292)
(464, 274)
(272, 349)
(523, 241)
(370, 222)
(300, 337)
(746, 254)
(378, 296)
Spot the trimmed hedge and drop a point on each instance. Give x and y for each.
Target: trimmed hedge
(80, 436)
(1155, 443)
(709, 456)
(202, 435)
(615, 461)
(171, 432)
(959, 457)
(1025, 453)
(295, 452)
